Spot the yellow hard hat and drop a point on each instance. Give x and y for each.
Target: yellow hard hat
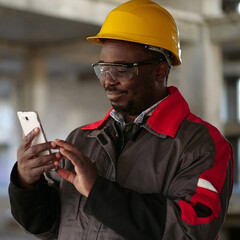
(145, 22)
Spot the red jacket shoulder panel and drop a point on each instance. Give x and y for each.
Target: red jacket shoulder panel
(169, 114)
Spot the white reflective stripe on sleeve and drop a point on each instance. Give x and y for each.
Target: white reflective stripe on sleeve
(206, 184)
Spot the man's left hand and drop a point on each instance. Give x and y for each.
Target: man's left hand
(86, 173)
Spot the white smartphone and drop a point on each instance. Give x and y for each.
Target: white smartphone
(30, 120)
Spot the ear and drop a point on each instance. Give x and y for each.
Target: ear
(162, 70)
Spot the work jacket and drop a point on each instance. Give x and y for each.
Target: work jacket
(171, 180)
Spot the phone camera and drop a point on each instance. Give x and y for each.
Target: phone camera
(26, 118)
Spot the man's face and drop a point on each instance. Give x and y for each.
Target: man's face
(135, 95)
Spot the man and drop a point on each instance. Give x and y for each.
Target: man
(149, 170)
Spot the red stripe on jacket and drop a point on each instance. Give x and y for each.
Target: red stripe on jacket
(166, 119)
(215, 175)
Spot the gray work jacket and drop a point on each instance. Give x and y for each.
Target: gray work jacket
(172, 180)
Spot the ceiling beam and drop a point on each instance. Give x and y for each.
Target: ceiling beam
(86, 11)
(225, 28)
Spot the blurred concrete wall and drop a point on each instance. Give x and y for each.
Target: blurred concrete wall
(46, 66)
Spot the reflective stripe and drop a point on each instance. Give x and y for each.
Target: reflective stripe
(206, 184)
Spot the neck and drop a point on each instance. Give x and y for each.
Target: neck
(129, 118)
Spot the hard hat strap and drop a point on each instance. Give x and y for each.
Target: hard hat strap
(163, 51)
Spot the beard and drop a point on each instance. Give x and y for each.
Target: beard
(131, 108)
(122, 109)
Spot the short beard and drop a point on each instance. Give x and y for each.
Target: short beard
(130, 108)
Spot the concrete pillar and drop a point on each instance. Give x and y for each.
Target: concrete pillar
(212, 8)
(34, 90)
(213, 80)
(185, 5)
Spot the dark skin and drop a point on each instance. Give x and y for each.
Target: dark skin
(131, 98)
(30, 165)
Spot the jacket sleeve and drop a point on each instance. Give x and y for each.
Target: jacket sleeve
(190, 210)
(130, 214)
(35, 210)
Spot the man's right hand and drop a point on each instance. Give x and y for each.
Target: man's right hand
(31, 165)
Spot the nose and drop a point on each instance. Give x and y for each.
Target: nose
(109, 79)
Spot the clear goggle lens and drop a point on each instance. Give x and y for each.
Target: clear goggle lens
(119, 72)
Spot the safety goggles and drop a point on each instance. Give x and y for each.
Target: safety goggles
(119, 72)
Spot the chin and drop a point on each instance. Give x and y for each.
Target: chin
(118, 108)
(126, 109)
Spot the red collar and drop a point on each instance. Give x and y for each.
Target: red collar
(169, 114)
(165, 119)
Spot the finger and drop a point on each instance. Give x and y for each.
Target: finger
(54, 145)
(68, 146)
(62, 143)
(44, 160)
(27, 140)
(67, 175)
(37, 149)
(71, 156)
(42, 169)
(33, 174)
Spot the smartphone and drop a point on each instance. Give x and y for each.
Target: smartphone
(30, 120)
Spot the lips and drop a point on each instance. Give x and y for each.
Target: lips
(114, 94)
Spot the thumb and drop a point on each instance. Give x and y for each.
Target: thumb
(67, 175)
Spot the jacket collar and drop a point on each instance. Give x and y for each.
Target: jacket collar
(169, 114)
(165, 119)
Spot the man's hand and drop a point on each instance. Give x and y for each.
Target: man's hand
(86, 173)
(30, 164)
